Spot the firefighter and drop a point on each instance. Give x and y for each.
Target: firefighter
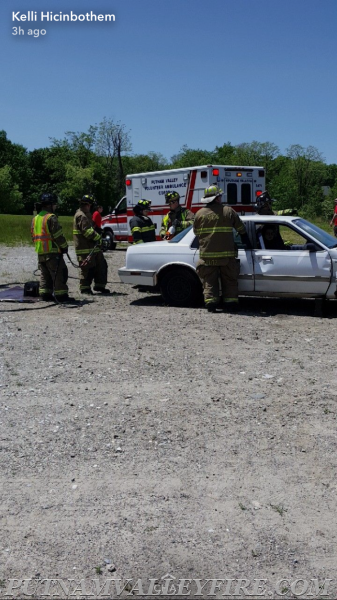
(178, 217)
(213, 225)
(142, 227)
(88, 250)
(50, 245)
(264, 202)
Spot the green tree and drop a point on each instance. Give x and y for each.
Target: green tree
(112, 142)
(16, 157)
(78, 181)
(224, 155)
(307, 169)
(144, 163)
(10, 196)
(187, 157)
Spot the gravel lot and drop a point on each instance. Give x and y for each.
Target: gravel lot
(139, 441)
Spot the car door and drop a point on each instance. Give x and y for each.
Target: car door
(296, 272)
(246, 277)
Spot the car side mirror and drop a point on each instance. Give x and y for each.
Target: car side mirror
(311, 247)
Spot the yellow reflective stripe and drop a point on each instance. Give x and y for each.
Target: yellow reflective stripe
(51, 251)
(217, 254)
(138, 242)
(86, 251)
(214, 229)
(135, 229)
(88, 232)
(76, 231)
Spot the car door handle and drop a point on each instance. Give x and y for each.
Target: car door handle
(267, 258)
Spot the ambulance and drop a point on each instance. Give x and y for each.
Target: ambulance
(241, 187)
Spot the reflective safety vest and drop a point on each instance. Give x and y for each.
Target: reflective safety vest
(184, 216)
(41, 236)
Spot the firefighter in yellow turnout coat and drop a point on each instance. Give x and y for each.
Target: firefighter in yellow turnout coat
(213, 225)
(178, 217)
(50, 245)
(88, 250)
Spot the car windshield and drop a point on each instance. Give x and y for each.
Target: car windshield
(180, 235)
(317, 233)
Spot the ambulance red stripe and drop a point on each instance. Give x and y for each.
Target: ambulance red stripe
(190, 189)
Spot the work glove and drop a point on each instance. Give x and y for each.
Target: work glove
(176, 223)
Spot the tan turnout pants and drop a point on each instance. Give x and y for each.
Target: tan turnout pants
(96, 270)
(54, 275)
(227, 274)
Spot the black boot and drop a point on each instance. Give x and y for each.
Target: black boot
(62, 298)
(231, 307)
(211, 307)
(47, 297)
(87, 291)
(102, 290)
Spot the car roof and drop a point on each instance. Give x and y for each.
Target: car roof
(268, 218)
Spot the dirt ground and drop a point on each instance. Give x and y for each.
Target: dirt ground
(141, 442)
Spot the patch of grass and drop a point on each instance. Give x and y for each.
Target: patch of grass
(15, 229)
(98, 570)
(279, 508)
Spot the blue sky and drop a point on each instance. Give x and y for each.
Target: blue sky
(176, 72)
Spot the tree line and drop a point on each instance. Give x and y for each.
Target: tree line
(96, 162)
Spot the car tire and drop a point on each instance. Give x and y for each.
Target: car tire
(110, 236)
(180, 287)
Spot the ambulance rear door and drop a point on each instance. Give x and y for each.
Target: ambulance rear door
(240, 186)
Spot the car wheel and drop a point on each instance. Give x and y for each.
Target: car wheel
(179, 287)
(110, 237)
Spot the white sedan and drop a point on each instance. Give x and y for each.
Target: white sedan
(288, 257)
